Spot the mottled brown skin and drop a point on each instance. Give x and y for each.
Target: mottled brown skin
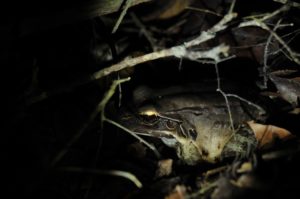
(195, 124)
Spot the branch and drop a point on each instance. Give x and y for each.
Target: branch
(177, 51)
(211, 33)
(180, 51)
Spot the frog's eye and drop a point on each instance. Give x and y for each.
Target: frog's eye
(170, 124)
(150, 119)
(148, 111)
(148, 114)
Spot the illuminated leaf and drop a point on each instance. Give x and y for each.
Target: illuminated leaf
(266, 134)
(289, 89)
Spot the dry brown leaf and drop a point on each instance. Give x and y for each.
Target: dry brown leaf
(271, 95)
(245, 167)
(164, 168)
(178, 193)
(166, 9)
(289, 89)
(244, 181)
(265, 134)
(175, 8)
(295, 111)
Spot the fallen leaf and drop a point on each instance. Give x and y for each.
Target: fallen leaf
(266, 134)
(178, 193)
(245, 181)
(164, 168)
(295, 111)
(245, 168)
(271, 95)
(166, 9)
(175, 8)
(224, 189)
(284, 72)
(289, 89)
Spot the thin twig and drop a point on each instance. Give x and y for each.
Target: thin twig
(232, 6)
(266, 50)
(228, 108)
(224, 95)
(122, 15)
(260, 23)
(214, 171)
(262, 111)
(265, 16)
(124, 174)
(296, 33)
(120, 92)
(109, 94)
(99, 109)
(144, 30)
(180, 64)
(134, 134)
(290, 3)
(292, 54)
(203, 10)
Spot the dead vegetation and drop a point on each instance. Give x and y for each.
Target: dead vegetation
(75, 81)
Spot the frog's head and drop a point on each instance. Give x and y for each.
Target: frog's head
(148, 121)
(175, 129)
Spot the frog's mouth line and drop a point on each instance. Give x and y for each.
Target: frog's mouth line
(154, 133)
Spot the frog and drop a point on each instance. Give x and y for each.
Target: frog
(200, 123)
